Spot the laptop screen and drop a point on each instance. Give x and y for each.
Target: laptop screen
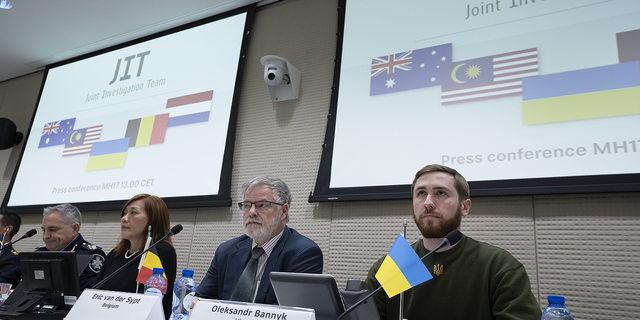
(304, 290)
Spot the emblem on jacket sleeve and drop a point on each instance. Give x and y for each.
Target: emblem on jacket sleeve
(96, 263)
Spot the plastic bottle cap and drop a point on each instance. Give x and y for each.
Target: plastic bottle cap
(187, 273)
(158, 270)
(555, 299)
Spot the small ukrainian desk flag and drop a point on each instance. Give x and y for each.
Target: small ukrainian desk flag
(401, 269)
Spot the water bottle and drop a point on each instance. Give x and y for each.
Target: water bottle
(556, 309)
(183, 292)
(156, 284)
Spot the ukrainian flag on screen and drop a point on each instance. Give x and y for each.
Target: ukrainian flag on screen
(600, 92)
(108, 154)
(401, 269)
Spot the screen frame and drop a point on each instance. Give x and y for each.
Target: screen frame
(536, 186)
(70, 283)
(223, 197)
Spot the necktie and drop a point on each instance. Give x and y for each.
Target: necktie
(245, 288)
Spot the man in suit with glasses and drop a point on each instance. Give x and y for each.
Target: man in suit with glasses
(241, 266)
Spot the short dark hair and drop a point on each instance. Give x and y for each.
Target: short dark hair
(11, 218)
(461, 184)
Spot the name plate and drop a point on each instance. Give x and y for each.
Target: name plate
(206, 309)
(109, 305)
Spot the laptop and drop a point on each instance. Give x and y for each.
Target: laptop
(305, 290)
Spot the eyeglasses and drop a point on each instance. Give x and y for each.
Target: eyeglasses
(261, 206)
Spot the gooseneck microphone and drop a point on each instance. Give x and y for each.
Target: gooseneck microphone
(452, 238)
(29, 234)
(175, 230)
(178, 227)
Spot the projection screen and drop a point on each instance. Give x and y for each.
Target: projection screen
(520, 96)
(156, 115)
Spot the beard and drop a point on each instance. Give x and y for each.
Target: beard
(264, 232)
(431, 229)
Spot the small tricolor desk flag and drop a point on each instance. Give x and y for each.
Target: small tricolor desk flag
(150, 261)
(401, 269)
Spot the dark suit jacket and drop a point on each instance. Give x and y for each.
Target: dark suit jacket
(293, 253)
(10, 266)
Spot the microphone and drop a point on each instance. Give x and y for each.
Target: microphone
(175, 230)
(29, 234)
(450, 239)
(178, 227)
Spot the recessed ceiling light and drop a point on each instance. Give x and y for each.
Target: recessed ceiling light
(5, 4)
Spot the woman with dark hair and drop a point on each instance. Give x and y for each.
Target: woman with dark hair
(138, 215)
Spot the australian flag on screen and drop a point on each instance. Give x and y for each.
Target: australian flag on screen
(55, 133)
(409, 70)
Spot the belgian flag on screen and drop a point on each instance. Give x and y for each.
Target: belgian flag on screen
(147, 131)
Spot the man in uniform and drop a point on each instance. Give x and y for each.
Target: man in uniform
(61, 232)
(9, 261)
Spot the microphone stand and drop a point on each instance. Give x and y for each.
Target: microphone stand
(400, 308)
(444, 243)
(97, 285)
(146, 246)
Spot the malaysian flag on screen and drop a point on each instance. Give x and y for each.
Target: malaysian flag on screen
(488, 77)
(80, 141)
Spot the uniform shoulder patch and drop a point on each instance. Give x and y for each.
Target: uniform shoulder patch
(96, 263)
